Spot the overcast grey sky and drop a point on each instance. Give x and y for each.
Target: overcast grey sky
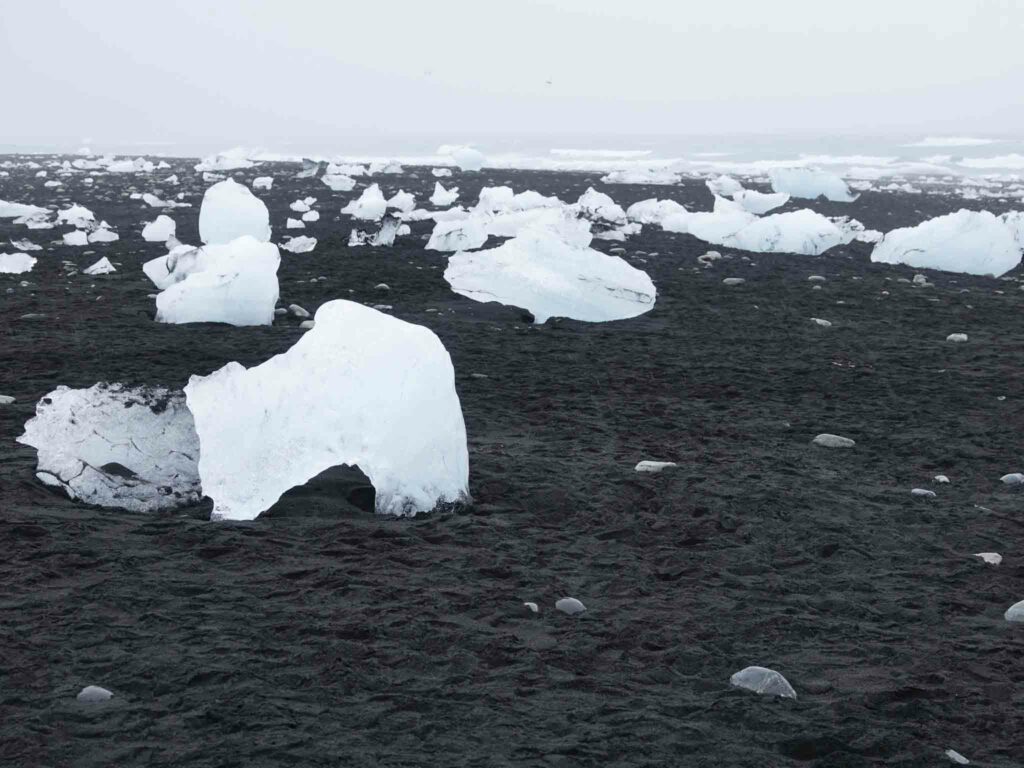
(234, 71)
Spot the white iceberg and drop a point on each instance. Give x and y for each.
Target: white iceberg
(229, 211)
(457, 235)
(302, 244)
(810, 184)
(974, 242)
(101, 267)
(443, 197)
(553, 273)
(598, 206)
(369, 206)
(468, 159)
(159, 230)
(360, 388)
(234, 283)
(724, 186)
(117, 446)
(759, 203)
(16, 263)
(402, 201)
(77, 216)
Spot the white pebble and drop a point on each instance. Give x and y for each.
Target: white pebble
(764, 681)
(733, 281)
(957, 337)
(941, 479)
(654, 466)
(298, 311)
(817, 278)
(570, 605)
(382, 287)
(822, 323)
(833, 441)
(1015, 612)
(922, 492)
(956, 757)
(93, 694)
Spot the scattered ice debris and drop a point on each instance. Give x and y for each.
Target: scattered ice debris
(733, 281)
(759, 203)
(101, 267)
(803, 231)
(234, 283)
(941, 479)
(570, 605)
(654, 466)
(1015, 612)
(302, 244)
(263, 182)
(532, 607)
(229, 211)
(810, 184)
(923, 493)
(764, 681)
(77, 238)
(992, 558)
(117, 446)
(974, 242)
(822, 323)
(93, 694)
(552, 271)
(827, 440)
(20, 210)
(159, 230)
(1014, 478)
(370, 206)
(339, 182)
(641, 176)
(457, 235)
(957, 337)
(338, 396)
(16, 263)
(26, 245)
(724, 186)
(443, 197)
(956, 757)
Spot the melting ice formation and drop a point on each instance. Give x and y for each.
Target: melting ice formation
(234, 283)
(369, 206)
(117, 446)
(975, 242)
(361, 388)
(16, 263)
(551, 271)
(353, 370)
(764, 681)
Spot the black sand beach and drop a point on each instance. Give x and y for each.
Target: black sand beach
(347, 639)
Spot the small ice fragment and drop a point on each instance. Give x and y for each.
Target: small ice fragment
(941, 479)
(1014, 478)
(733, 281)
(764, 681)
(822, 323)
(956, 757)
(922, 492)
(572, 606)
(992, 558)
(533, 607)
(957, 337)
(1015, 612)
(298, 311)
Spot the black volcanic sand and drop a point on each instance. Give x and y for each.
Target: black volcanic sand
(319, 640)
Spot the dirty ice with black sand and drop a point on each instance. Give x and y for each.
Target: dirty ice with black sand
(771, 517)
